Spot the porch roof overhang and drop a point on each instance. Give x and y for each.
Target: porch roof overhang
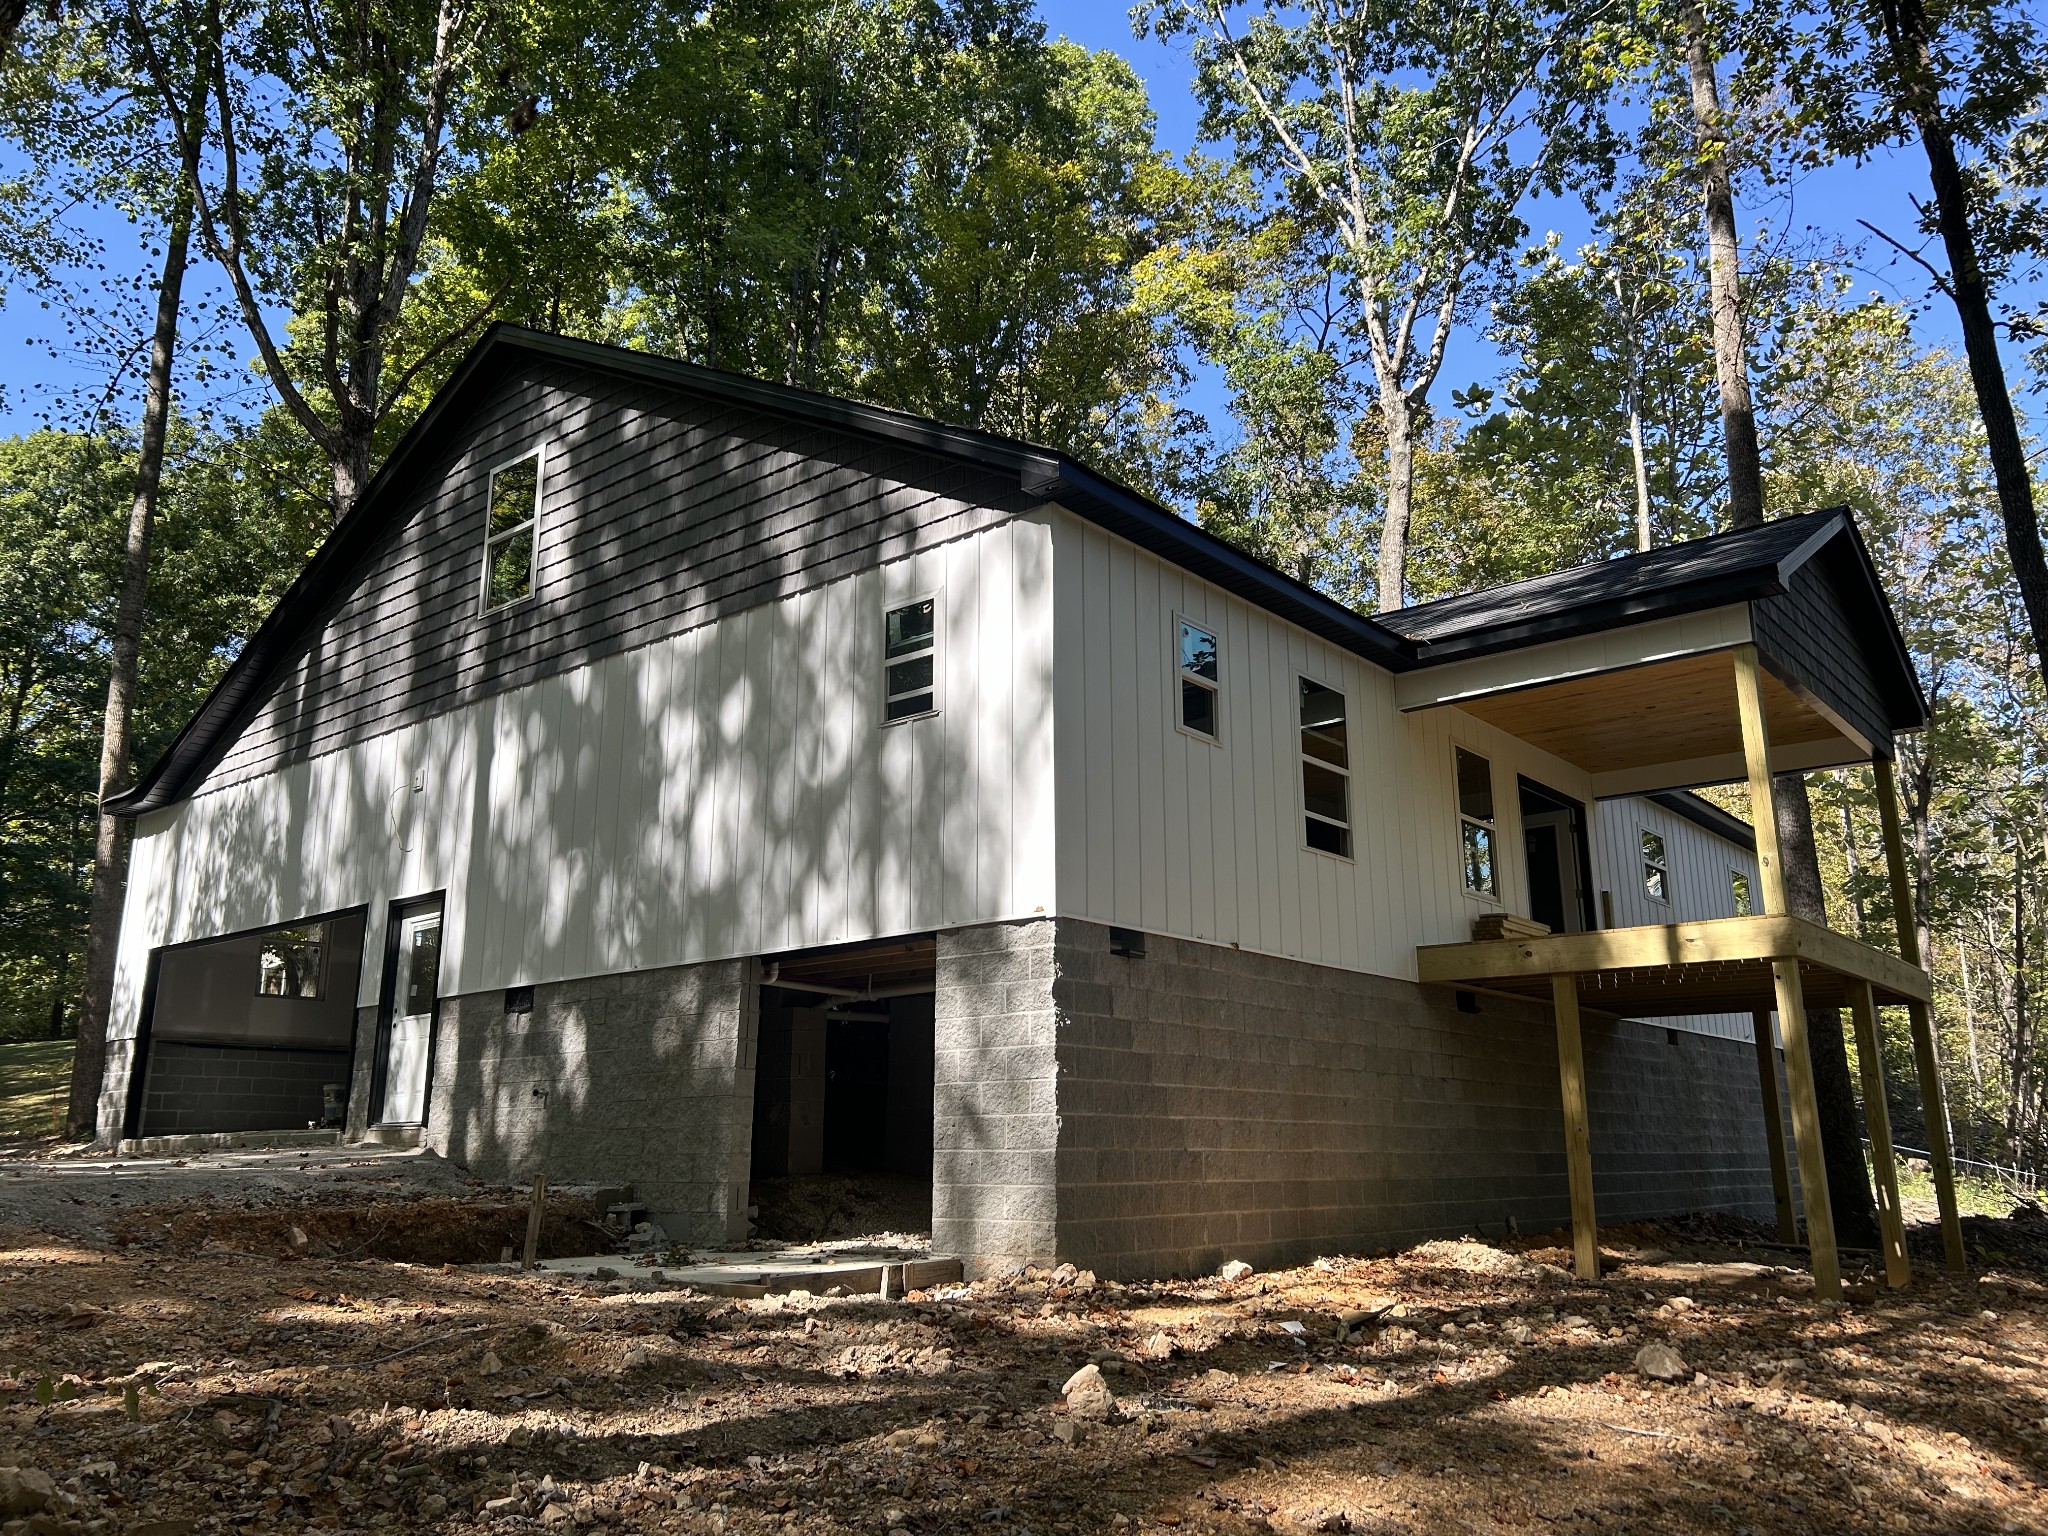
(1721, 965)
(1624, 670)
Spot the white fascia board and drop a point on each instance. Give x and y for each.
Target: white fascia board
(1556, 661)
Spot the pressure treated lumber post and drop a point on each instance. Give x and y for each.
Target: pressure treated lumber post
(534, 1215)
(1891, 1219)
(1791, 993)
(1774, 1125)
(1927, 1066)
(1578, 1132)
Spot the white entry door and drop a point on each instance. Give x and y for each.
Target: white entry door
(412, 1019)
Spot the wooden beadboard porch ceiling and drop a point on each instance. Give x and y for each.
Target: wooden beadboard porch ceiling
(1719, 966)
(1668, 711)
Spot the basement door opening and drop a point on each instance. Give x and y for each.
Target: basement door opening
(251, 1031)
(842, 1140)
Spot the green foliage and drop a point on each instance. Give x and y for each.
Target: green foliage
(230, 537)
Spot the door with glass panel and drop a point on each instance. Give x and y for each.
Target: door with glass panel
(409, 1037)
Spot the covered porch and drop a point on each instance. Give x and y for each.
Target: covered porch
(1797, 666)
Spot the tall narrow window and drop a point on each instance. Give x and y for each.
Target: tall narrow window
(1738, 887)
(509, 545)
(910, 657)
(1475, 823)
(1325, 770)
(1198, 680)
(1656, 873)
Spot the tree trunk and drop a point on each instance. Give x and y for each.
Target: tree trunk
(1635, 443)
(1393, 573)
(351, 467)
(1841, 1128)
(1855, 871)
(110, 846)
(1731, 360)
(1905, 28)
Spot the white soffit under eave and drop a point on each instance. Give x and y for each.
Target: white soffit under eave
(1556, 661)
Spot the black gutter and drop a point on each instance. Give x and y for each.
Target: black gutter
(1704, 813)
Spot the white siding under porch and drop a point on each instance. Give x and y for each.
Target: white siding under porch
(728, 791)
(1699, 864)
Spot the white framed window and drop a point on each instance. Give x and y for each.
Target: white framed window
(1656, 868)
(1197, 664)
(1325, 770)
(293, 962)
(1742, 895)
(910, 660)
(1477, 837)
(512, 533)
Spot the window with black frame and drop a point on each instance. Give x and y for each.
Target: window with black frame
(910, 660)
(1199, 681)
(1476, 824)
(1325, 770)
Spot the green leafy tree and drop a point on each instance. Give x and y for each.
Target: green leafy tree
(1417, 132)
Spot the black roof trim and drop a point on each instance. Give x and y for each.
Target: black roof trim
(1676, 579)
(1702, 812)
(1040, 471)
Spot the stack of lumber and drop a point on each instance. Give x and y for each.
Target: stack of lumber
(1506, 925)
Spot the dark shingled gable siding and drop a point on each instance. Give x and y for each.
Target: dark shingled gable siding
(1812, 634)
(661, 511)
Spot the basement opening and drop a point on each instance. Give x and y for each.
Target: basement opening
(250, 1032)
(842, 1143)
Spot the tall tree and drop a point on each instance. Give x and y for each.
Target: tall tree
(110, 842)
(1419, 131)
(1849, 1194)
(332, 133)
(1717, 202)
(1969, 80)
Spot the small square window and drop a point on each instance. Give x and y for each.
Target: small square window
(509, 542)
(1325, 770)
(1475, 824)
(293, 962)
(910, 660)
(1656, 872)
(1199, 679)
(1738, 888)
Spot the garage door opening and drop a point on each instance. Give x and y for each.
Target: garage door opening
(842, 1143)
(254, 1032)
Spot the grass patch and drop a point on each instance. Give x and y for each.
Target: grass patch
(35, 1081)
(1977, 1194)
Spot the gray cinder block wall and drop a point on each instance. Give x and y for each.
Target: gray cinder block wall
(1158, 1115)
(645, 1078)
(995, 1122)
(189, 1088)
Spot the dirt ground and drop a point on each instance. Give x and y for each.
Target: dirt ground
(195, 1367)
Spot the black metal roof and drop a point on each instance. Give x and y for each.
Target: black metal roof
(1676, 579)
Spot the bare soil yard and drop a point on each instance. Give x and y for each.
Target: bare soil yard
(1456, 1387)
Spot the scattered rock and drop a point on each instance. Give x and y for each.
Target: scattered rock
(1067, 1431)
(1660, 1362)
(25, 1491)
(1088, 1395)
(1235, 1270)
(1160, 1347)
(490, 1365)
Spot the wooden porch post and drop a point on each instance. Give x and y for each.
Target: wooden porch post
(1898, 1269)
(1578, 1133)
(1774, 1125)
(1933, 1103)
(1791, 994)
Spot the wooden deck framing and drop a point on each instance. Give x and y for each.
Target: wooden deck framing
(1772, 962)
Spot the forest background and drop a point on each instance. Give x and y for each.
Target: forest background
(1405, 302)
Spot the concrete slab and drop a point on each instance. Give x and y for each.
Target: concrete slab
(773, 1272)
(226, 1141)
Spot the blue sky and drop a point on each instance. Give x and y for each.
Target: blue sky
(1828, 201)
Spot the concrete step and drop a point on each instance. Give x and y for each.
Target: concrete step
(227, 1141)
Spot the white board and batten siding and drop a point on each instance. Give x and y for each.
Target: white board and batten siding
(1162, 831)
(728, 791)
(1699, 864)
